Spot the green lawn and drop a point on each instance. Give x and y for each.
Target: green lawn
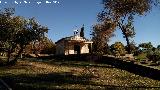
(49, 75)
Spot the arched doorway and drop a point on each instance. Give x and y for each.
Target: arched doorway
(77, 49)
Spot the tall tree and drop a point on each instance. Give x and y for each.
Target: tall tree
(82, 31)
(122, 12)
(9, 26)
(32, 31)
(16, 32)
(101, 34)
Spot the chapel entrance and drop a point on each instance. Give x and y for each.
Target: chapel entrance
(77, 49)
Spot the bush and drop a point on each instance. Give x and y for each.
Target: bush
(154, 56)
(118, 49)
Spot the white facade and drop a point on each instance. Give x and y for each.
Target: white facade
(73, 45)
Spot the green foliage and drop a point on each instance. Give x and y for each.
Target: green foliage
(31, 31)
(49, 46)
(158, 47)
(146, 46)
(127, 7)
(133, 48)
(16, 32)
(82, 31)
(141, 56)
(118, 49)
(154, 55)
(128, 28)
(122, 13)
(100, 36)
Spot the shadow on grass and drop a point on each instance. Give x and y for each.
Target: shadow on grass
(117, 63)
(132, 67)
(70, 62)
(106, 62)
(79, 64)
(63, 80)
(45, 81)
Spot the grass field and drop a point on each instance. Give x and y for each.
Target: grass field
(53, 74)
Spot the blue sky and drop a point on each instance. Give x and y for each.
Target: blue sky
(63, 17)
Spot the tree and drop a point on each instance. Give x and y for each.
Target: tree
(146, 46)
(118, 49)
(44, 46)
(16, 32)
(31, 31)
(82, 31)
(9, 26)
(100, 36)
(49, 46)
(122, 12)
(158, 47)
(34, 47)
(134, 49)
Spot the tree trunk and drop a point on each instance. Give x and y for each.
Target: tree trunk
(10, 51)
(128, 45)
(127, 39)
(19, 53)
(16, 57)
(8, 56)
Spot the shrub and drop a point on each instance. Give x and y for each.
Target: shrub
(154, 55)
(118, 49)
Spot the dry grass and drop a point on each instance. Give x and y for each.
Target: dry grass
(72, 75)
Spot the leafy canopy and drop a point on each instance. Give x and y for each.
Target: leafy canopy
(16, 32)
